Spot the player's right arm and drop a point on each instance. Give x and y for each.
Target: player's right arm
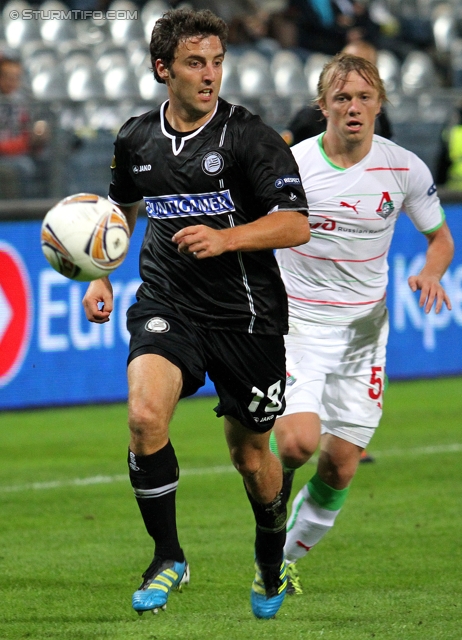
(98, 301)
(131, 213)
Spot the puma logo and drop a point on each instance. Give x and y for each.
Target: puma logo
(350, 206)
(302, 544)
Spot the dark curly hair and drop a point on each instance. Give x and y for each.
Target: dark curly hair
(177, 25)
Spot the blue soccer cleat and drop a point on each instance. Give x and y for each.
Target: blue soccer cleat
(268, 589)
(159, 579)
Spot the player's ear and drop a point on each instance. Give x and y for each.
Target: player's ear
(323, 109)
(162, 70)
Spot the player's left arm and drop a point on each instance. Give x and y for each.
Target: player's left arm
(438, 258)
(277, 230)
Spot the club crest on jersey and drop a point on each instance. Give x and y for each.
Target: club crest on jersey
(212, 163)
(157, 325)
(386, 206)
(285, 181)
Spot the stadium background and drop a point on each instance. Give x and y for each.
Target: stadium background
(85, 77)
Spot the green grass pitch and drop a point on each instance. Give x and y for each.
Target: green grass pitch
(73, 546)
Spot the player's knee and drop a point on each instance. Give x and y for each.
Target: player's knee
(295, 451)
(338, 463)
(345, 475)
(145, 420)
(338, 476)
(247, 461)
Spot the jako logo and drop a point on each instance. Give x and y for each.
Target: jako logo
(265, 418)
(141, 168)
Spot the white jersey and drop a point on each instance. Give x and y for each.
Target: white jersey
(342, 273)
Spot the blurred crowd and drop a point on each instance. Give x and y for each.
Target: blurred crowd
(304, 27)
(22, 141)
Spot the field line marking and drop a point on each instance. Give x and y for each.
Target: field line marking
(420, 451)
(81, 482)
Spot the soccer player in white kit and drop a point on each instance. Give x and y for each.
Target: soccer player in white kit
(356, 185)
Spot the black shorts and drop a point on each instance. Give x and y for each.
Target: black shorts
(248, 371)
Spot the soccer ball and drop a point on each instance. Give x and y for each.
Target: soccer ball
(85, 237)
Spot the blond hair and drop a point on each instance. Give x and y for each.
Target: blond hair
(340, 67)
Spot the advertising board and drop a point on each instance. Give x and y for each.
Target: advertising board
(51, 355)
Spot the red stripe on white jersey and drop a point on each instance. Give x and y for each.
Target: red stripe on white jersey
(332, 302)
(387, 169)
(345, 221)
(307, 255)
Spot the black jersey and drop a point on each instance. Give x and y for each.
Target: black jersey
(231, 171)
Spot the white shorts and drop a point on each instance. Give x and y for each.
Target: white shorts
(338, 372)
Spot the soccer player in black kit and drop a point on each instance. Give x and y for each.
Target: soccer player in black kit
(221, 191)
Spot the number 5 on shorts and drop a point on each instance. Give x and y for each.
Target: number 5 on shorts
(376, 383)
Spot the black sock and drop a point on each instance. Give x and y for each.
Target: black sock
(270, 530)
(154, 479)
(287, 482)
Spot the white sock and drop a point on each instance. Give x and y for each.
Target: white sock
(308, 523)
